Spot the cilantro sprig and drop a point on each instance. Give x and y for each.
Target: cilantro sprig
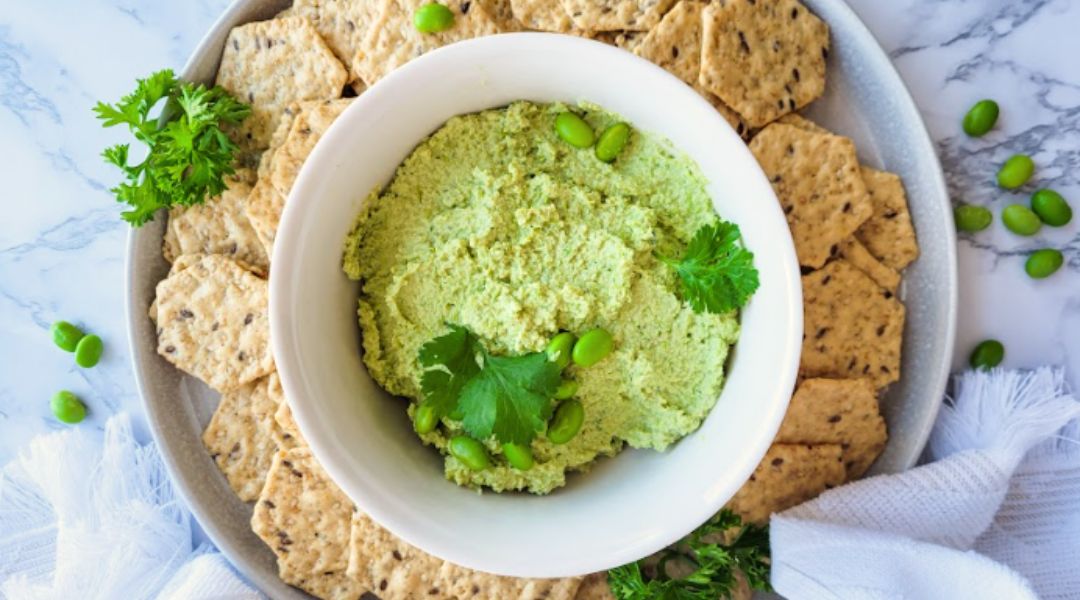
(711, 566)
(188, 154)
(508, 397)
(717, 273)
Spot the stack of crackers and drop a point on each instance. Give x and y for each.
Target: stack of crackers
(757, 62)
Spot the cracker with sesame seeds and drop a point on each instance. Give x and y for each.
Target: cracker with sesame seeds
(797, 120)
(242, 435)
(307, 129)
(306, 520)
(290, 436)
(764, 59)
(212, 321)
(788, 475)
(888, 234)
(675, 43)
(271, 64)
(817, 180)
(218, 226)
(502, 13)
(595, 587)
(852, 327)
(394, 39)
(837, 411)
(627, 40)
(543, 15)
(616, 15)
(264, 207)
(860, 258)
(343, 24)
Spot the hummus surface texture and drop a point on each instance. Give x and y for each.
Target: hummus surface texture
(496, 224)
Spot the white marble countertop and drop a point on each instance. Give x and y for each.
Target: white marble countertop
(62, 242)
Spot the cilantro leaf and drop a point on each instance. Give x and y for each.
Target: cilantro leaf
(711, 565)
(508, 397)
(188, 153)
(717, 273)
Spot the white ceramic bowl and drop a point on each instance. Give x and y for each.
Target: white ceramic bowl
(626, 507)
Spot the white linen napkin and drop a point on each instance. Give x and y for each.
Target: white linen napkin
(91, 516)
(996, 516)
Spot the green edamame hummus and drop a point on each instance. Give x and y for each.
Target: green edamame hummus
(497, 225)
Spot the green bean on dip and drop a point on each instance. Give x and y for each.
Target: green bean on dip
(504, 235)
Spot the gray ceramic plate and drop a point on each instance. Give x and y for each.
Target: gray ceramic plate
(865, 99)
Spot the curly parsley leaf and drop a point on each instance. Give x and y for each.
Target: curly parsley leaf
(710, 565)
(508, 397)
(188, 154)
(717, 273)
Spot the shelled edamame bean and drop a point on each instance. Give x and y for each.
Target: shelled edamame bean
(972, 218)
(1044, 263)
(1051, 207)
(987, 354)
(981, 118)
(433, 18)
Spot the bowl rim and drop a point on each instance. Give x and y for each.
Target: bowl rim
(282, 333)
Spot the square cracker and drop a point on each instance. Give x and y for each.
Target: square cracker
(241, 436)
(306, 519)
(616, 15)
(218, 226)
(271, 64)
(837, 411)
(307, 128)
(817, 180)
(888, 234)
(389, 567)
(790, 474)
(543, 15)
(264, 207)
(764, 59)
(343, 24)
(853, 328)
(212, 321)
(394, 40)
(797, 120)
(860, 258)
(675, 42)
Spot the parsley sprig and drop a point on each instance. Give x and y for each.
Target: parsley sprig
(188, 154)
(716, 271)
(711, 565)
(508, 397)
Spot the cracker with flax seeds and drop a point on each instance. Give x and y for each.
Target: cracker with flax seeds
(242, 436)
(394, 39)
(860, 258)
(271, 64)
(543, 15)
(616, 15)
(764, 59)
(595, 587)
(212, 321)
(264, 207)
(888, 234)
(218, 226)
(852, 327)
(306, 519)
(788, 475)
(837, 411)
(627, 40)
(343, 24)
(817, 180)
(287, 428)
(307, 129)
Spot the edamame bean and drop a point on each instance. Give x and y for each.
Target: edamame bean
(1016, 171)
(88, 351)
(560, 347)
(987, 354)
(433, 18)
(66, 336)
(566, 389)
(1043, 263)
(972, 218)
(470, 452)
(519, 456)
(566, 422)
(981, 118)
(593, 346)
(67, 407)
(574, 130)
(1020, 220)
(1051, 207)
(612, 141)
(424, 419)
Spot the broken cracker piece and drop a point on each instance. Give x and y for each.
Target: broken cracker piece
(220, 225)
(616, 15)
(888, 234)
(790, 474)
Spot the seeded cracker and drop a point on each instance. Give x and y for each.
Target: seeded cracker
(394, 40)
(502, 13)
(241, 435)
(764, 59)
(790, 474)
(616, 15)
(857, 254)
(271, 64)
(287, 428)
(307, 128)
(816, 178)
(675, 43)
(305, 519)
(627, 40)
(264, 209)
(852, 327)
(218, 226)
(212, 320)
(595, 587)
(797, 120)
(343, 24)
(543, 15)
(888, 233)
(837, 411)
